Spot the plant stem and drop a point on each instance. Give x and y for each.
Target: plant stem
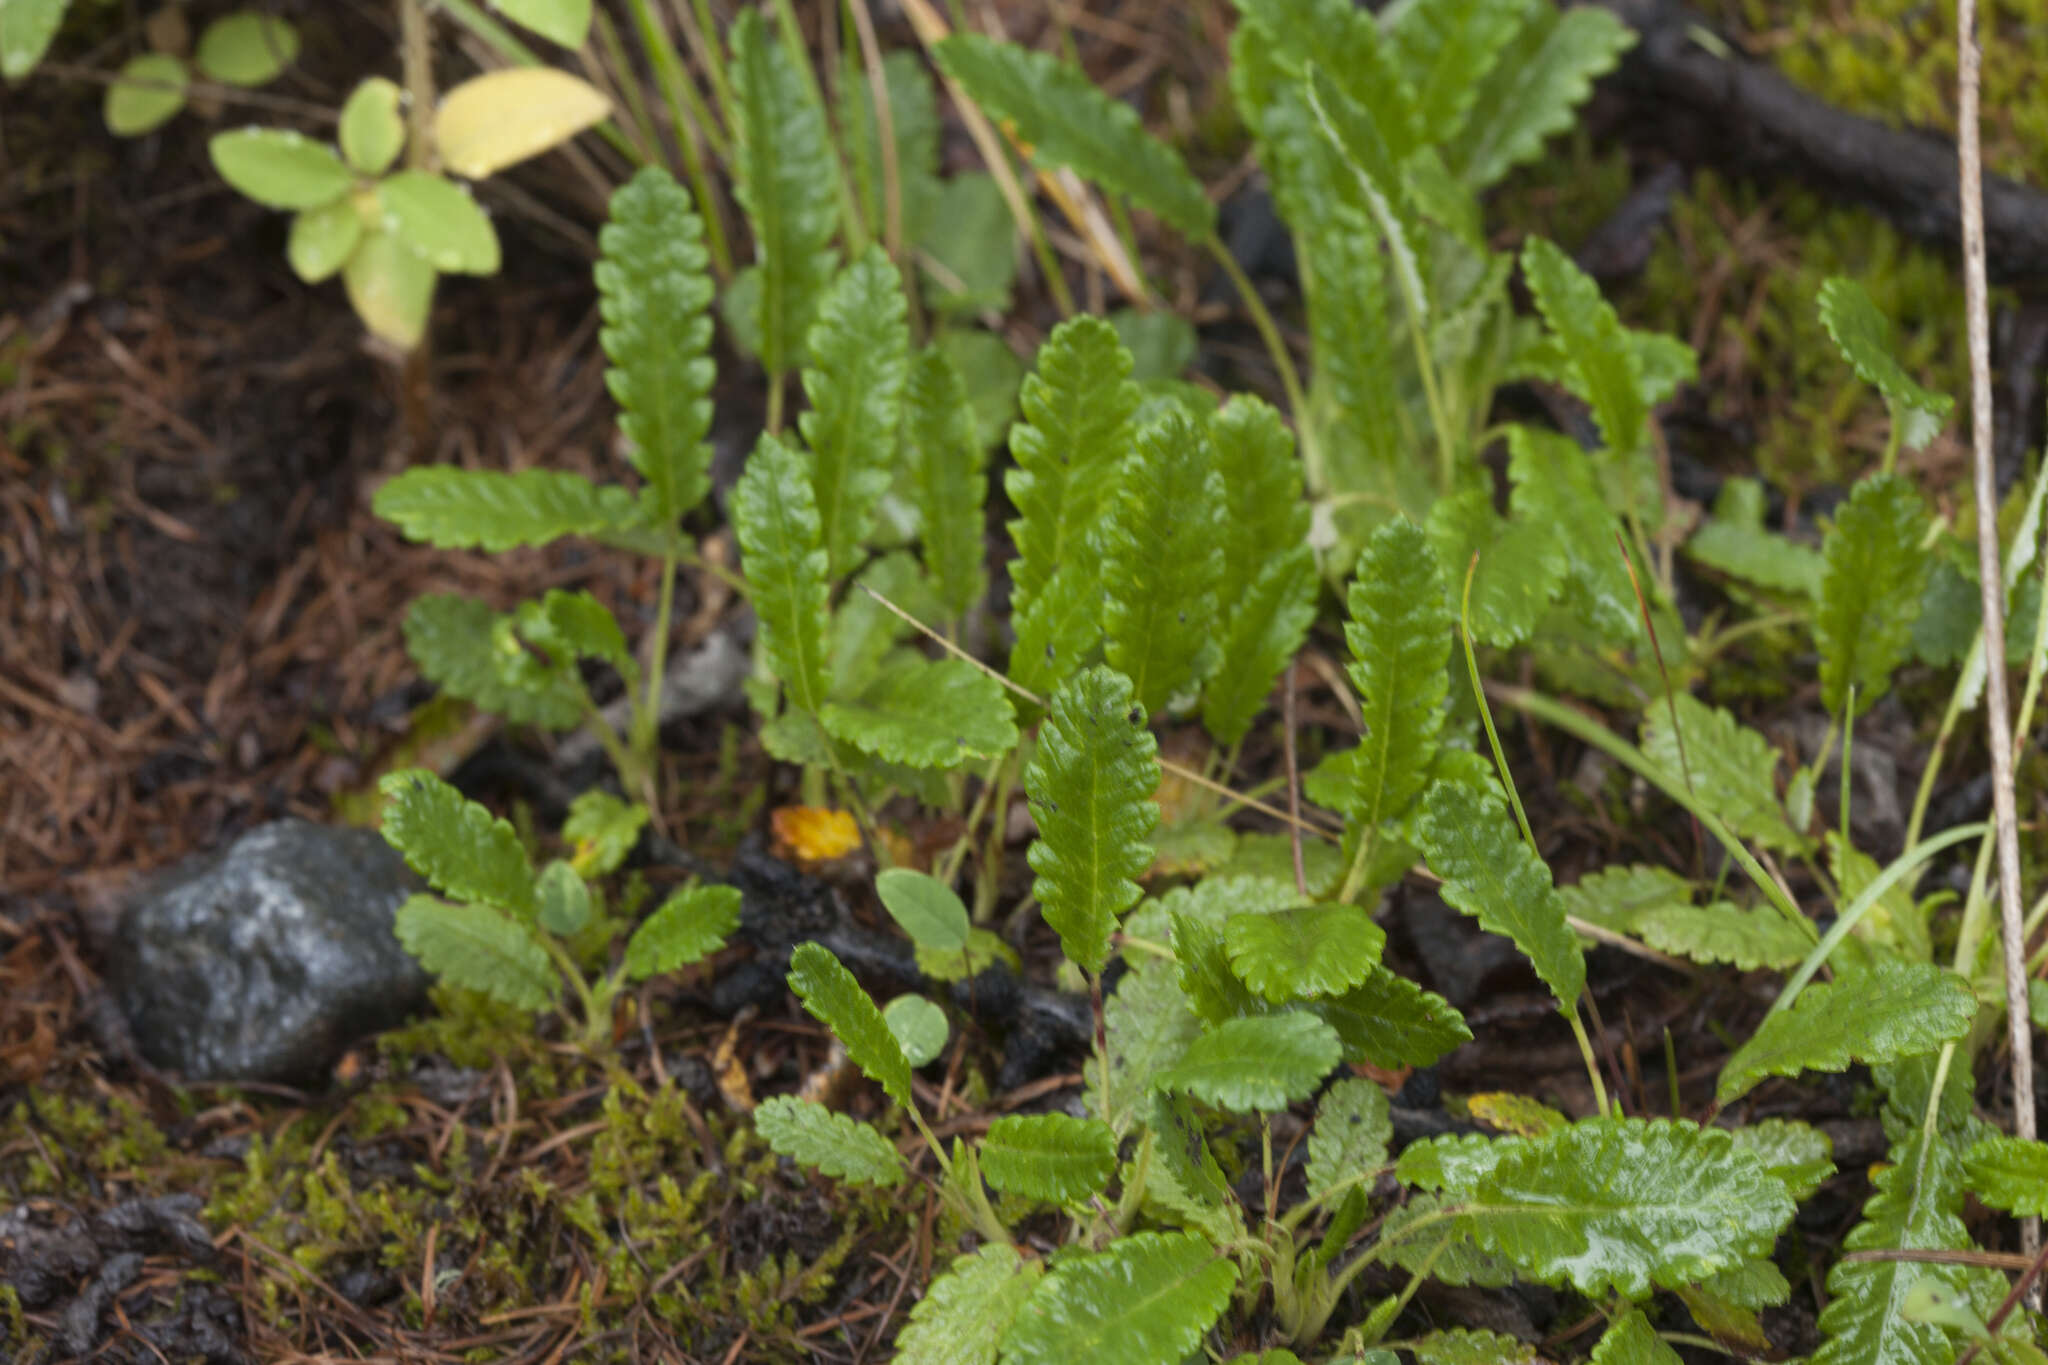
(646, 726)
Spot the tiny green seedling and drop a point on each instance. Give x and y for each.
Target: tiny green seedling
(245, 49)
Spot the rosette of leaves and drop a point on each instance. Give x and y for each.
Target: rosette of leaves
(391, 233)
(246, 48)
(521, 937)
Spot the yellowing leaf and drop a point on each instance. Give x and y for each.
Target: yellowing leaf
(1516, 1114)
(503, 117)
(815, 835)
(391, 288)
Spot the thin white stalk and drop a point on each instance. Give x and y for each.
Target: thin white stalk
(1996, 706)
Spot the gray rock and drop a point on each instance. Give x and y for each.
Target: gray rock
(266, 960)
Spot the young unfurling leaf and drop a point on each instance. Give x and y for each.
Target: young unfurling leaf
(947, 482)
(844, 1148)
(1529, 93)
(858, 358)
(1067, 120)
(1451, 46)
(474, 653)
(1600, 362)
(1874, 567)
(1091, 785)
(784, 177)
(1162, 563)
(655, 295)
(1864, 336)
(775, 515)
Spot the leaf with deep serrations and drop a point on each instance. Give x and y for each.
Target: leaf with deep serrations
(836, 1000)
(1052, 1157)
(1067, 120)
(964, 1315)
(858, 359)
(1451, 47)
(2011, 1174)
(1346, 43)
(1261, 633)
(569, 626)
(926, 713)
(1530, 92)
(1556, 486)
(811, 1135)
(1266, 1062)
(1368, 147)
(474, 653)
(947, 483)
(1732, 769)
(1880, 1013)
(1864, 336)
(1734, 541)
(1759, 936)
(1875, 566)
(1601, 365)
(689, 926)
(1349, 1143)
(1057, 632)
(1309, 950)
(775, 515)
(479, 949)
(784, 176)
(1632, 1341)
(1392, 1022)
(1618, 896)
(1469, 1346)
(1091, 785)
(458, 846)
(1619, 1205)
(486, 509)
(655, 297)
(1146, 1300)
(1162, 562)
(1492, 875)
(1522, 565)
(1147, 1024)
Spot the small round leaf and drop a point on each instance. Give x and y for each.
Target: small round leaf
(925, 907)
(437, 218)
(564, 899)
(919, 1025)
(278, 168)
(149, 90)
(322, 239)
(372, 130)
(247, 48)
(391, 287)
(503, 117)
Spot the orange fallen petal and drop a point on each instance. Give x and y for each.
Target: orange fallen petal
(813, 834)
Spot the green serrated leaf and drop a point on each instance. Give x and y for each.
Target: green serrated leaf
(1348, 45)
(473, 653)
(1090, 786)
(1522, 564)
(1213, 990)
(926, 713)
(1732, 769)
(1374, 154)
(1471, 1346)
(1349, 1142)
(836, 1000)
(279, 168)
(775, 515)
(784, 177)
(2011, 1174)
(1726, 1303)
(654, 295)
(1050, 1157)
(1557, 486)
(1492, 875)
(562, 900)
(479, 949)
(1392, 1022)
(1620, 1205)
(1068, 121)
(1880, 1013)
(1451, 47)
(858, 359)
(1632, 1341)
(844, 1148)
(457, 845)
(1529, 94)
(601, 830)
(1262, 632)
(1162, 564)
(1146, 1300)
(245, 48)
(1262, 1063)
(1734, 541)
(1057, 632)
(1797, 1153)
(570, 626)
(1078, 407)
(1874, 565)
(1310, 950)
(1759, 936)
(1597, 352)
(919, 1026)
(1147, 1024)
(965, 1314)
(462, 509)
(1864, 336)
(689, 926)
(947, 480)
(146, 93)
(1617, 897)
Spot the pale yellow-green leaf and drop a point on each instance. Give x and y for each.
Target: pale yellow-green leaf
(503, 117)
(437, 218)
(559, 21)
(372, 130)
(148, 92)
(246, 48)
(279, 168)
(322, 239)
(26, 28)
(391, 288)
